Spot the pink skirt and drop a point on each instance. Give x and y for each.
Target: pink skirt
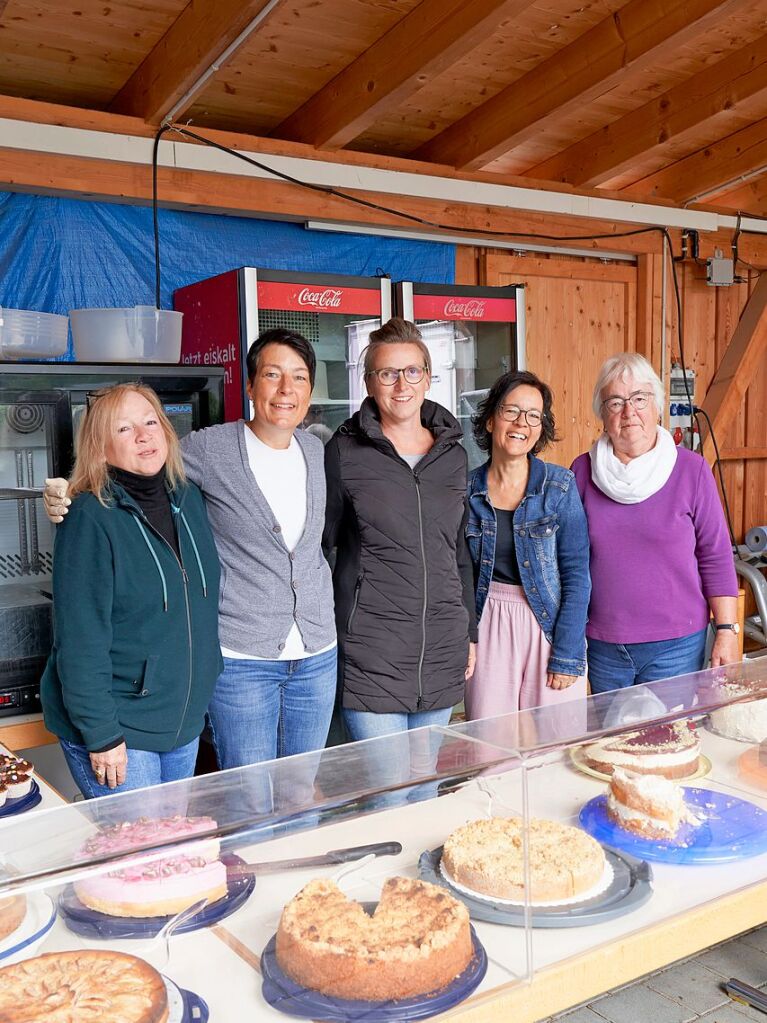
(512, 659)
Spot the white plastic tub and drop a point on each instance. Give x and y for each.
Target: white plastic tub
(139, 334)
(25, 334)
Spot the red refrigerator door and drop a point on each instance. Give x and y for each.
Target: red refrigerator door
(213, 335)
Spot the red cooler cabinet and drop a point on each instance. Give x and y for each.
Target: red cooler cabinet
(223, 315)
(473, 334)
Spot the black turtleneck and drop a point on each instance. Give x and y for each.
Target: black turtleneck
(151, 495)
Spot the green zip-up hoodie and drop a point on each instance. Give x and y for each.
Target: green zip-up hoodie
(135, 650)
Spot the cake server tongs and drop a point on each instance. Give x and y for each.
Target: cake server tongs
(325, 859)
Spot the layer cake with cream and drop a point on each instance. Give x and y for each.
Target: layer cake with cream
(153, 885)
(417, 941)
(82, 987)
(487, 856)
(648, 805)
(671, 750)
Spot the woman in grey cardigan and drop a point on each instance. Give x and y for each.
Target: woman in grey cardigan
(264, 486)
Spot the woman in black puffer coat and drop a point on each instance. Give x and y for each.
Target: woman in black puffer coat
(395, 514)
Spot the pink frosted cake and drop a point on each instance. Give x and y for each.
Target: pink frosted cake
(151, 886)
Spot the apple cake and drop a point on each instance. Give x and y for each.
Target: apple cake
(487, 857)
(13, 909)
(82, 987)
(417, 941)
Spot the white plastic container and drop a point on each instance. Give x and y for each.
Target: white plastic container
(140, 334)
(25, 334)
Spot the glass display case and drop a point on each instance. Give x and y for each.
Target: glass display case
(515, 818)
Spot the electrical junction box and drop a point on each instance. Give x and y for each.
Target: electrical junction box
(720, 273)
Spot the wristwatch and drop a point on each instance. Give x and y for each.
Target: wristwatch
(732, 626)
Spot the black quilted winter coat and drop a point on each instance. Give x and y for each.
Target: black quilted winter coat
(404, 589)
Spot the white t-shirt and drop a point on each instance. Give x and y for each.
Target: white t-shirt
(281, 478)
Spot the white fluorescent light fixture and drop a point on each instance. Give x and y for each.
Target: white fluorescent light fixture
(520, 246)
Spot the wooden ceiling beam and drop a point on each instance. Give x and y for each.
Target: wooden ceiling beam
(744, 356)
(422, 44)
(715, 95)
(175, 68)
(750, 197)
(635, 37)
(710, 171)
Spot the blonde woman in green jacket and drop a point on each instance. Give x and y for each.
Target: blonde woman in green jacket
(135, 656)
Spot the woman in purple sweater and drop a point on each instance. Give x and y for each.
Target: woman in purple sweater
(661, 560)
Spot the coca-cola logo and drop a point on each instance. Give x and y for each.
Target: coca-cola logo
(470, 309)
(328, 298)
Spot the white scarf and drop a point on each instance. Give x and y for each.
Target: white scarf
(641, 477)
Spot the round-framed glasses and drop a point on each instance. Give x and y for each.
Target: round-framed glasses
(513, 413)
(639, 400)
(388, 376)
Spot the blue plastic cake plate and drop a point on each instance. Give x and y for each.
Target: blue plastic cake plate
(284, 994)
(89, 923)
(730, 829)
(12, 806)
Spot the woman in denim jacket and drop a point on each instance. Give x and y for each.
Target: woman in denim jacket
(529, 544)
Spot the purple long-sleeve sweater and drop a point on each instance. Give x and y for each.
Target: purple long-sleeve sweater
(655, 564)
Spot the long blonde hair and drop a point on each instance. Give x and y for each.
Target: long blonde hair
(89, 474)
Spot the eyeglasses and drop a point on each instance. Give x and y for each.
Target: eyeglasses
(639, 400)
(512, 413)
(388, 376)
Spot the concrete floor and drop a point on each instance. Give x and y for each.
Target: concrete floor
(687, 991)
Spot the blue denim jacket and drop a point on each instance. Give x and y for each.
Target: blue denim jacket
(552, 546)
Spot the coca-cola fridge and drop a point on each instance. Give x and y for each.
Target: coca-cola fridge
(473, 334)
(223, 315)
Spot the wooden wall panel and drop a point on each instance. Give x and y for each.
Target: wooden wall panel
(579, 312)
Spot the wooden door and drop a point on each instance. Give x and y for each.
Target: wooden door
(578, 313)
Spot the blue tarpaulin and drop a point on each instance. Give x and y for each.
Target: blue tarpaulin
(61, 254)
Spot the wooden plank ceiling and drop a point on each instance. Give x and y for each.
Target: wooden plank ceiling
(649, 98)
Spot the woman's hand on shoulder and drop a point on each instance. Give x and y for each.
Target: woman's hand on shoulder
(555, 680)
(111, 767)
(55, 500)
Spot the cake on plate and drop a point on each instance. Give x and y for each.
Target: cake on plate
(647, 805)
(745, 721)
(671, 750)
(487, 857)
(418, 940)
(152, 885)
(16, 776)
(13, 909)
(82, 987)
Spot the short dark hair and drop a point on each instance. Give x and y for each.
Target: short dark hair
(395, 331)
(279, 336)
(493, 400)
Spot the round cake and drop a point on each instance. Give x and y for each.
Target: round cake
(487, 857)
(671, 750)
(16, 776)
(13, 909)
(417, 941)
(747, 721)
(82, 987)
(152, 886)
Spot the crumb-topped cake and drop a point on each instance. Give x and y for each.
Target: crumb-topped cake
(671, 750)
(13, 909)
(82, 987)
(487, 856)
(154, 886)
(417, 940)
(746, 721)
(647, 805)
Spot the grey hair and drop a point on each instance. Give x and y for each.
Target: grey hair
(627, 364)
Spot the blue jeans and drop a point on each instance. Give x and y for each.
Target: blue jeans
(262, 710)
(618, 665)
(402, 759)
(145, 768)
